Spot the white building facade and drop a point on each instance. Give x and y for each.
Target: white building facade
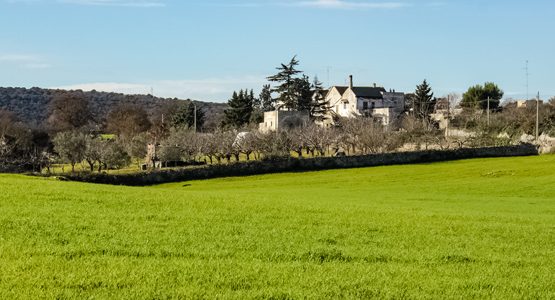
(374, 101)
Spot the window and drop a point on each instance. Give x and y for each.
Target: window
(365, 105)
(373, 105)
(345, 105)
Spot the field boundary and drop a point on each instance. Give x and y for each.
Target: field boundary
(301, 165)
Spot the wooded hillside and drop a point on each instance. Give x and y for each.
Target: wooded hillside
(31, 105)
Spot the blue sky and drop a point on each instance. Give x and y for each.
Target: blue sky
(206, 49)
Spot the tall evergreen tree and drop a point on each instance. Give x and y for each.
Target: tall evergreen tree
(423, 101)
(257, 115)
(265, 99)
(288, 84)
(319, 107)
(185, 116)
(303, 93)
(240, 109)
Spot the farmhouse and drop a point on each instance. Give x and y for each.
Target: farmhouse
(283, 119)
(527, 103)
(352, 101)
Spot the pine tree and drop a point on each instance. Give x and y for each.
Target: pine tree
(185, 116)
(287, 89)
(240, 109)
(423, 101)
(319, 107)
(476, 96)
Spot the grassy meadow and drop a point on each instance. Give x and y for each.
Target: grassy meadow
(481, 228)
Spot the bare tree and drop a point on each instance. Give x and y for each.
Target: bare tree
(68, 111)
(128, 120)
(208, 146)
(227, 147)
(246, 142)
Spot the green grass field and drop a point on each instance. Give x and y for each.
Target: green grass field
(468, 229)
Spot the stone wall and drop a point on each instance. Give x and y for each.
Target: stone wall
(303, 165)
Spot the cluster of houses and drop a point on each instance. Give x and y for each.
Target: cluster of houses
(346, 102)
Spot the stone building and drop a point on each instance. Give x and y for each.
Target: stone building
(352, 101)
(283, 119)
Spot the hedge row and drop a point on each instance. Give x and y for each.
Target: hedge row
(301, 165)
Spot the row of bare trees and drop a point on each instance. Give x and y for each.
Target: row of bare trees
(356, 136)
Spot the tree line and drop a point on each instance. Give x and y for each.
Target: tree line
(291, 90)
(72, 133)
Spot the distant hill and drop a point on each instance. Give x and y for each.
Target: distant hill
(31, 105)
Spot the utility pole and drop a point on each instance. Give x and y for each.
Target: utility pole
(538, 117)
(448, 115)
(195, 116)
(488, 112)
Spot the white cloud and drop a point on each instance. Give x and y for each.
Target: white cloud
(123, 3)
(211, 89)
(128, 3)
(328, 4)
(24, 61)
(341, 4)
(17, 58)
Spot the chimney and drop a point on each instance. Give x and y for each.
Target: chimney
(350, 81)
(374, 84)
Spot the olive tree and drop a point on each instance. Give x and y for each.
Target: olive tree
(71, 147)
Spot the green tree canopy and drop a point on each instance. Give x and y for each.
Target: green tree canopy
(319, 107)
(423, 101)
(241, 107)
(265, 98)
(70, 146)
(476, 96)
(290, 86)
(185, 116)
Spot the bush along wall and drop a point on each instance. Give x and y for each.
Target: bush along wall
(302, 165)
